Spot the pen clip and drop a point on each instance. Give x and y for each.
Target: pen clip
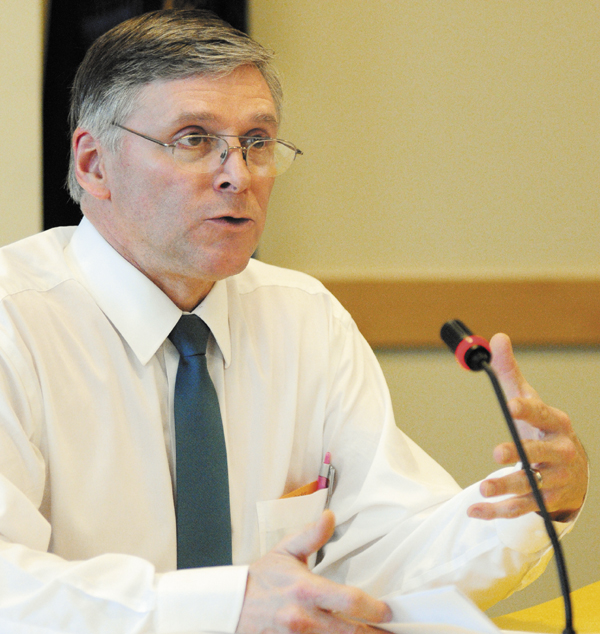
(331, 478)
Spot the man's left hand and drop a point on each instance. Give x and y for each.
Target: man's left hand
(551, 445)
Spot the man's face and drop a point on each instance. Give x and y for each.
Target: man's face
(182, 228)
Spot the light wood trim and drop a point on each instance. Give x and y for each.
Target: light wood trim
(410, 313)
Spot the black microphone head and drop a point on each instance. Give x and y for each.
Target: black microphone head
(471, 351)
(453, 332)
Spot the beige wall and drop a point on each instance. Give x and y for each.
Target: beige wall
(20, 119)
(448, 138)
(479, 135)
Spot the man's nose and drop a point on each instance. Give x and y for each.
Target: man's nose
(233, 173)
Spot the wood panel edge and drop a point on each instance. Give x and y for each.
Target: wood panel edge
(410, 313)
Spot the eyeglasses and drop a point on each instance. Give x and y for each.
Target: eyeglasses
(204, 153)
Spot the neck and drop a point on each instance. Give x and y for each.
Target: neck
(184, 295)
(185, 291)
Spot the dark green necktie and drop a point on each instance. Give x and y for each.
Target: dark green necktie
(203, 516)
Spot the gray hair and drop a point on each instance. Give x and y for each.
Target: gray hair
(160, 45)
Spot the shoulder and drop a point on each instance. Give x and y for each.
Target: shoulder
(259, 275)
(36, 263)
(282, 293)
(285, 286)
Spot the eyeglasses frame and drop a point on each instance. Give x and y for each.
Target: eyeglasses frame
(224, 137)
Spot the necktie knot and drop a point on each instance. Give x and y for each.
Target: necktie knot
(190, 335)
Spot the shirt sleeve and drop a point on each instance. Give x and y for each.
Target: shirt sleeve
(402, 523)
(114, 593)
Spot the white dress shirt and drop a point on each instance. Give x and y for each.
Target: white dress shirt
(87, 519)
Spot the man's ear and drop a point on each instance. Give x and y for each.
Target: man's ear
(90, 170)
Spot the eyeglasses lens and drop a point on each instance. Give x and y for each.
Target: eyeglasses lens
(204, 154)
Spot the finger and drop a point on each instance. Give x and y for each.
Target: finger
(505, 365)
(509, 509)
(557, 450)
(354, 603)
(313, 593)
(562, 464)
(308, 541)
(296, 619)
(334, 623)
(517, 483)
(535, 412)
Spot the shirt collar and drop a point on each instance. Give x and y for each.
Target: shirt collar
(138, 309)
(214, 311)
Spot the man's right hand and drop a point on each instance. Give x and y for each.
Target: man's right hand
(282, 595)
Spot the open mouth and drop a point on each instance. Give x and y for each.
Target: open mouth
(234, 221)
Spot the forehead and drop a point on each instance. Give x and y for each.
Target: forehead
(238, 98)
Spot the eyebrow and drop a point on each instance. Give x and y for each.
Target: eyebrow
(266, 118)
(192, 117)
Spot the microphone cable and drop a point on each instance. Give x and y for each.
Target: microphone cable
(473, 353)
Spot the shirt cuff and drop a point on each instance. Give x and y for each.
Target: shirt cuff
(527, 534)
(200, 599)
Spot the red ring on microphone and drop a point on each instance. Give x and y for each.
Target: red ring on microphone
(466, 344)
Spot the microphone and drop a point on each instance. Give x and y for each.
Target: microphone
(474, 353)
(470, 350)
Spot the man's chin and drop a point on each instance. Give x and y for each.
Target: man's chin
(229, 268)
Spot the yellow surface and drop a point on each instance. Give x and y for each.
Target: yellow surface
(550, 616)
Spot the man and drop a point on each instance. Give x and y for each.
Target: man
(174, 116)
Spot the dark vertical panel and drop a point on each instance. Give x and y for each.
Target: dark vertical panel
(73, 25)
(233, 11)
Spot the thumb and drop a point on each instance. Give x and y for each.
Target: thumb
(505, 365)
(313, 537)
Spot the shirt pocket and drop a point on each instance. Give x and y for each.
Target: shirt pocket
(279, 518)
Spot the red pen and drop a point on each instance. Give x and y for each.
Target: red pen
(323, 479)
